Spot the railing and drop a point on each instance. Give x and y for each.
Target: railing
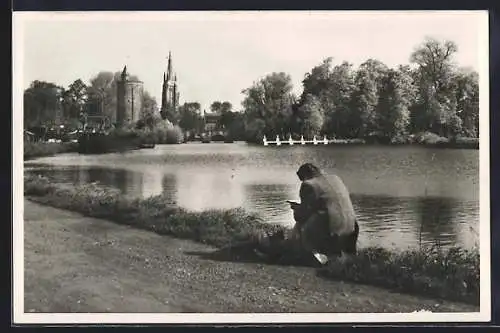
(291, 142)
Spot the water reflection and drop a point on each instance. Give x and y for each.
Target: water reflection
(403, 196)
(436, 217)
(416, 220)
(168, 187)
(386, 220)
(269, 200)
(198, 190)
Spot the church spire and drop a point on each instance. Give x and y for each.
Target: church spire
(170, 93)
(169, 68)
(124, 73)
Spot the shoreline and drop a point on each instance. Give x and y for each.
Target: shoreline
(80, 264)
(451, 274)
(447, 145)
(45, 149)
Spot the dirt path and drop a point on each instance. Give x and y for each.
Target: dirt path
(79, 264)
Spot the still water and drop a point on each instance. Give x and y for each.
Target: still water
(403, 196)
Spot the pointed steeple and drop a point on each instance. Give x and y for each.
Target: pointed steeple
(124, 73)
(169, 67)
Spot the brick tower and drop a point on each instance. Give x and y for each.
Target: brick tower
(129, 100)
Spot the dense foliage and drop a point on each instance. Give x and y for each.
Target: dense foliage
(373, 101)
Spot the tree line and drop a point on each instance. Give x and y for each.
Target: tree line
(47, 103)
(431, 94)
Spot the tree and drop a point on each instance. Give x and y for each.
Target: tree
(319, 79)
(376, 70)
(334, 87)
(362, 118)
(149, 113)
(436, 101)
(227, 116)
(467, 95)
(269, 100)
(369, 83)
(190, 117)
(42, 103)
(102, 94)
(75, 100)
(255, 130)
(394, 104)
(104, 86)
(435, 61)
(310, 115)
(149, 105)
(236, 126)
(224, 110)
(226, 107)
(215, 107)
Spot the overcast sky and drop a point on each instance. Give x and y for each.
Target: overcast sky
(216, 55)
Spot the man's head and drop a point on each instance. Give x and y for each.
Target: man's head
(308, 171)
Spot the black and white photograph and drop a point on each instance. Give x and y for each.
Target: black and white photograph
(251, 167)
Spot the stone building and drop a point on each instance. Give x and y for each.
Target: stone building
(170, 93)
(129, 100)
(212, 121)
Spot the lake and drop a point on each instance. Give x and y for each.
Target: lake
(404, 196)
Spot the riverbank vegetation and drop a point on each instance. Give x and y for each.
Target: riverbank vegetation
(129, 138)
(449, 274)
(40, 149)
(157, 131)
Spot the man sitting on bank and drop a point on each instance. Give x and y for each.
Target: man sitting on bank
(326, 221)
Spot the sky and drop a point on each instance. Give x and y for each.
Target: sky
(218, 54)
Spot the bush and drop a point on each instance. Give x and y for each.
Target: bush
(174, 135)
(167, 135)
(163, 133)
(450, 274)
(401, 139)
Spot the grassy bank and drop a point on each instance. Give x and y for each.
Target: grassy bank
(40, 149)
(451, 274)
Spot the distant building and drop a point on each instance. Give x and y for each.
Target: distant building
(129, 100)
(212, 122)
(170, 93)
